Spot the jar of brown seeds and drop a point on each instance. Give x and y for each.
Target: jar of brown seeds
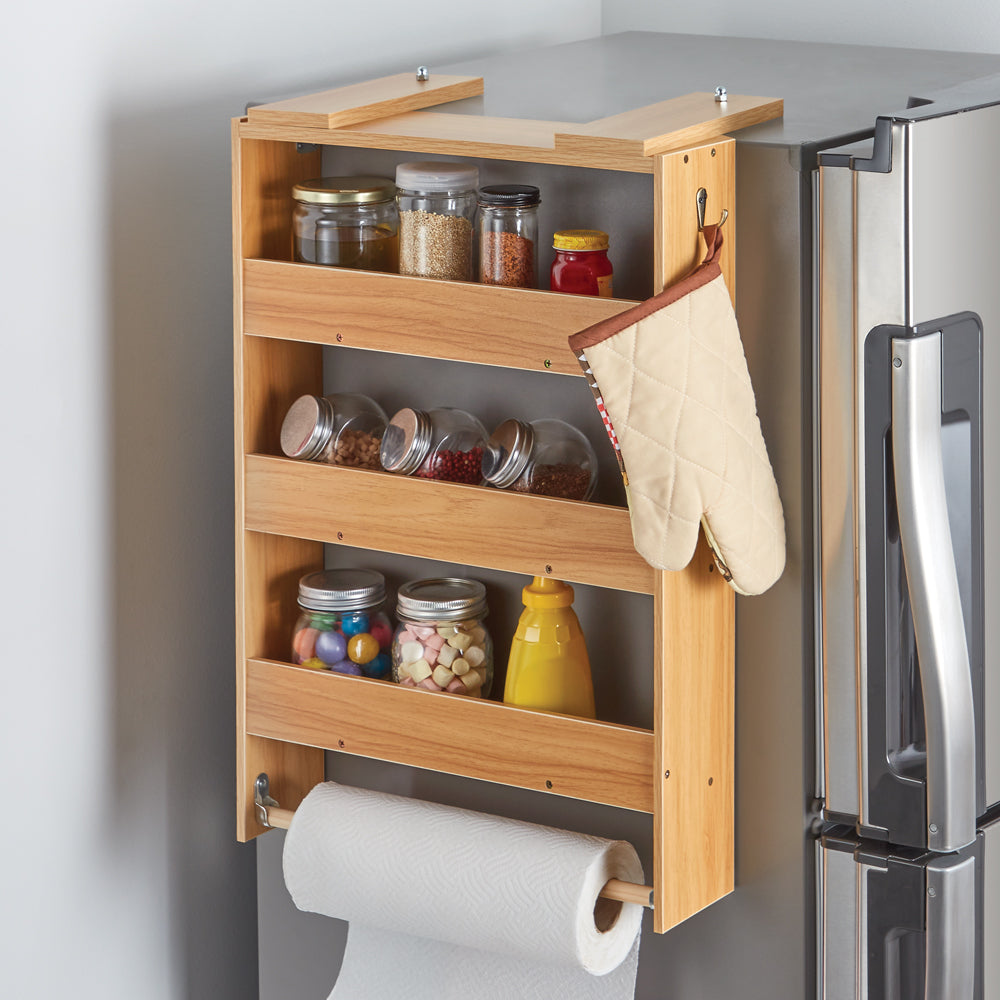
(437, 205)
(344, 428)
(508, 235)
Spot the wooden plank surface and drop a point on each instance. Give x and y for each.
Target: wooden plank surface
(521, 140)
(578, 758)
(694, 709)
(495, 529)
(371, 99)
(453, 320)
(669, 125)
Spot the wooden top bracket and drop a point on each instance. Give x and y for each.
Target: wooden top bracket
(388, 114)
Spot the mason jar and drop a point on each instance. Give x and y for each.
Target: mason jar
(344, 428)
(343, 625)
(444, 443)
(437, 205)
(508, 235)
(441, 643)
(347, 222)
(581, 265)
(548, 457)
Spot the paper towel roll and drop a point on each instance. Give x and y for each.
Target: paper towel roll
(446, 902)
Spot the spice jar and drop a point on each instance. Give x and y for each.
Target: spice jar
(437, 203)
(441, 643)
(443, 443)
(347, 222)
(548, 457)
(344, 428)
(508, 235)
(342, 626)
(581, 265)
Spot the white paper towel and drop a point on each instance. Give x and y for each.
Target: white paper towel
(448, 904)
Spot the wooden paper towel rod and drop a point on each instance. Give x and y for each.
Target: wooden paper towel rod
(270, 814)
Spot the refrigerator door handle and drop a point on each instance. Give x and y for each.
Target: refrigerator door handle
(950, 956)
(932, 580)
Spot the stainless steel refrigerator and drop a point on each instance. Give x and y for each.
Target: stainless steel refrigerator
(908, 461)
(868, 682)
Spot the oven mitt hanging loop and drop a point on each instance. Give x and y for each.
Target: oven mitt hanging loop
(671, 383)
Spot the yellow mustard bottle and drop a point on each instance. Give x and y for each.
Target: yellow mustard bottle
(548, 667)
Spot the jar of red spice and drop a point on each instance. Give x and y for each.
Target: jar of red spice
(443, 443)
(581, 265)
(548, 457)
(508, 235)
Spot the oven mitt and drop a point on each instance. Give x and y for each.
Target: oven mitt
(672, 386)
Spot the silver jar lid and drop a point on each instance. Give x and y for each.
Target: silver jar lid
(341, 590)
(437, 178)
(447, 598)
(307, 427)
(406, 441)
(507, 452)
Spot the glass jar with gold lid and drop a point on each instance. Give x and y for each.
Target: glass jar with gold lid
(347, 222)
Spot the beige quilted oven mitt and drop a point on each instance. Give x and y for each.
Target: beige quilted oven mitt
(671, 383)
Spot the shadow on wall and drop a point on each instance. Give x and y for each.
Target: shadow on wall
(172, 523)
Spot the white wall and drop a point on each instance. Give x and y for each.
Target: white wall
(122, 877)
(964, 25)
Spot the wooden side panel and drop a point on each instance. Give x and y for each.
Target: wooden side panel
(452, 320)
(694, 675)
(677, 244)
(266, 374)
(678, 123)
(574, 757)
(371, 99)
(535, 536)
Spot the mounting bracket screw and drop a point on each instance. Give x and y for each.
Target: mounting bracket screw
(720, 95)
(423, 74)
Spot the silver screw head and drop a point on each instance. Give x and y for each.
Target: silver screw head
(423, 74)
(720, 95)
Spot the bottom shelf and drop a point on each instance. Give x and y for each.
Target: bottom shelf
(578, 758)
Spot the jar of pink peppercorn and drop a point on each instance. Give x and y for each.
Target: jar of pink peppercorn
(443, 443)
(441, 643)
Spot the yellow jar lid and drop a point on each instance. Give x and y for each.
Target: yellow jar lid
(580, 239)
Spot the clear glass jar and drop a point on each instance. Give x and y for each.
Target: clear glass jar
(508, 235)
(443, 443)
(344, 428)
(437, 204)
(581, 265)
(441, 643)
(549, 457)
(347, 222)
(342, 625)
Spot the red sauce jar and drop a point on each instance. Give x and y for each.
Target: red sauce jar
(581, 265)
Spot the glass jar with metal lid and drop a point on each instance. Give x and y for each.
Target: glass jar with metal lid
(548, 457)
(344, 428)
(508, 235)
(343, 626)
(441, 643)
(443, 443)
(581, 265)
(347, 222)
(437, 204)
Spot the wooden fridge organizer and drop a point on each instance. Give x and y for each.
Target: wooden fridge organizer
(681, 771)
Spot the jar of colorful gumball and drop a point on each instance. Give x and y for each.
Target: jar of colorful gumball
(441, 643)
(443, 443)
(342, 625)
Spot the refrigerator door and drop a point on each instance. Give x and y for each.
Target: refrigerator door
(908, 304)
(899, 924)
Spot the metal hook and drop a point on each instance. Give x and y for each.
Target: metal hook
(262, 798)
(701, 200)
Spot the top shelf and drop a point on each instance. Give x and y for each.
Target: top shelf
(625, 141)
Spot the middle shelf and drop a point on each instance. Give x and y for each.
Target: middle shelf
(570, 540)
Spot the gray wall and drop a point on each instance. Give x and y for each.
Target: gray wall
(122, 876)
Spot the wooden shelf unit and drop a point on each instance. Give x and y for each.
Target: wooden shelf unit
(681, 771)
